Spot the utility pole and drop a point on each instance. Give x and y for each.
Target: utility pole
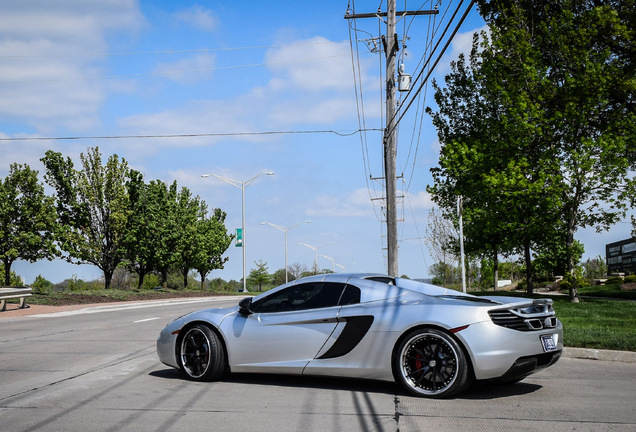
(391, 47)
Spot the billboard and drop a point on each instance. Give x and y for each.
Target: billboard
(621, 257)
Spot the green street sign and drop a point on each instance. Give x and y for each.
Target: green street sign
(239, 237)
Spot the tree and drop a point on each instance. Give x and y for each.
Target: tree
(489, 157)
(165, 234)
(557, 115)
(259, 275)
(92, 208)
(583, 52)
(27, 220)
(442, 239)
(212, 240)
(296, 270)
(139, 240)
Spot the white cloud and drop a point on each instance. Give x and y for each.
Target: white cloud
(203, 63)
(286, 101)
(462, 44)
(315, 64)
(43, 71)
(355, 204)
(199, 18)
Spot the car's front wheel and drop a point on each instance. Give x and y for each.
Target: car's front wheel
(430, 363)
(201, 354)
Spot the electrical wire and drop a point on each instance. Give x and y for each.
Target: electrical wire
(197, 135)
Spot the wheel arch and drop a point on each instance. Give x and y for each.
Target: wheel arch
(408, 331)
(187, 327)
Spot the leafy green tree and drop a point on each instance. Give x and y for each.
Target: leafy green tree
(489, 157)
(554, 122)
(259, 275)
(41, 284)
(14, 278)
(212, 241)
(165, 232)
(92, 208)
(27, 220)
(139, 239)
(278, 277)
(189, 210)
(581, 53)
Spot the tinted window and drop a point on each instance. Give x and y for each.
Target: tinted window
(351, 295)
(305, 296)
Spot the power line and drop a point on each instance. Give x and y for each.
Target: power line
(70, 138)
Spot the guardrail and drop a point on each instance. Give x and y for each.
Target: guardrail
(11, 293)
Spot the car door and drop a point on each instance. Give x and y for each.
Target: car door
(286, 329)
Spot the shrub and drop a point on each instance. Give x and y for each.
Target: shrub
(614, 280)
(630, 279)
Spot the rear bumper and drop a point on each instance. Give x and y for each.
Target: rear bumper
(525, 366)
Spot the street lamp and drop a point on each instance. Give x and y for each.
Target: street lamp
(285, 229)
(333, 262)
(315, 249)
(242, 186)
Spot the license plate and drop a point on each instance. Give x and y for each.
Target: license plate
(548, 343)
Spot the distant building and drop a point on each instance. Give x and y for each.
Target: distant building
(621, 257)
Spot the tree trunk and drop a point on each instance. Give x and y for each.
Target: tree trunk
(164, 276)
(528, 258)
(108, 277)
(569, 245)
(202, 274)
(7, 273)
(495, 258)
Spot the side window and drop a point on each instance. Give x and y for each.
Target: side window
(351, 295)
(305, 296)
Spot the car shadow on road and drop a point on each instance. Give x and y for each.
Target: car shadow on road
(479, 390)
(493, 390)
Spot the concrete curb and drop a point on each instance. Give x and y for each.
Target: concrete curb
(605, 355)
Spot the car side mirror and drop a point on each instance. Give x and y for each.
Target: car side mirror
(245, 306)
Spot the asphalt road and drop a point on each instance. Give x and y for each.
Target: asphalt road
(96, 369)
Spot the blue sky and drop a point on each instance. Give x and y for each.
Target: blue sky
(122, 68)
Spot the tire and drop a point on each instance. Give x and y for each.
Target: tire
(430, 363)
(201, 354)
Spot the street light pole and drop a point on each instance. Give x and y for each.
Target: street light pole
(285, 229)
(315, 249)
(242, 186)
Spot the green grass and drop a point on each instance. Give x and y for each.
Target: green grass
(607, 291)
(599, 324)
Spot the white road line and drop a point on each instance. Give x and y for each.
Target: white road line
(147, 319)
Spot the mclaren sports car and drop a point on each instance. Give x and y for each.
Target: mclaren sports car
(433, 341)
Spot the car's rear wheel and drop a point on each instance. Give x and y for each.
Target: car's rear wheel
(201, 354)
(430, 363)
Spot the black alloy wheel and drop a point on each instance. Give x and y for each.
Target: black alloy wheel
(431, 363)
(201, 354)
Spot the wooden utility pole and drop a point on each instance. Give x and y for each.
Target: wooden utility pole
(391, 48)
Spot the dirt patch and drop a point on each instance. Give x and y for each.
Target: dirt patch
(628, 286)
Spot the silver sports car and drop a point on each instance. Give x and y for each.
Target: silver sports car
(433, 341)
